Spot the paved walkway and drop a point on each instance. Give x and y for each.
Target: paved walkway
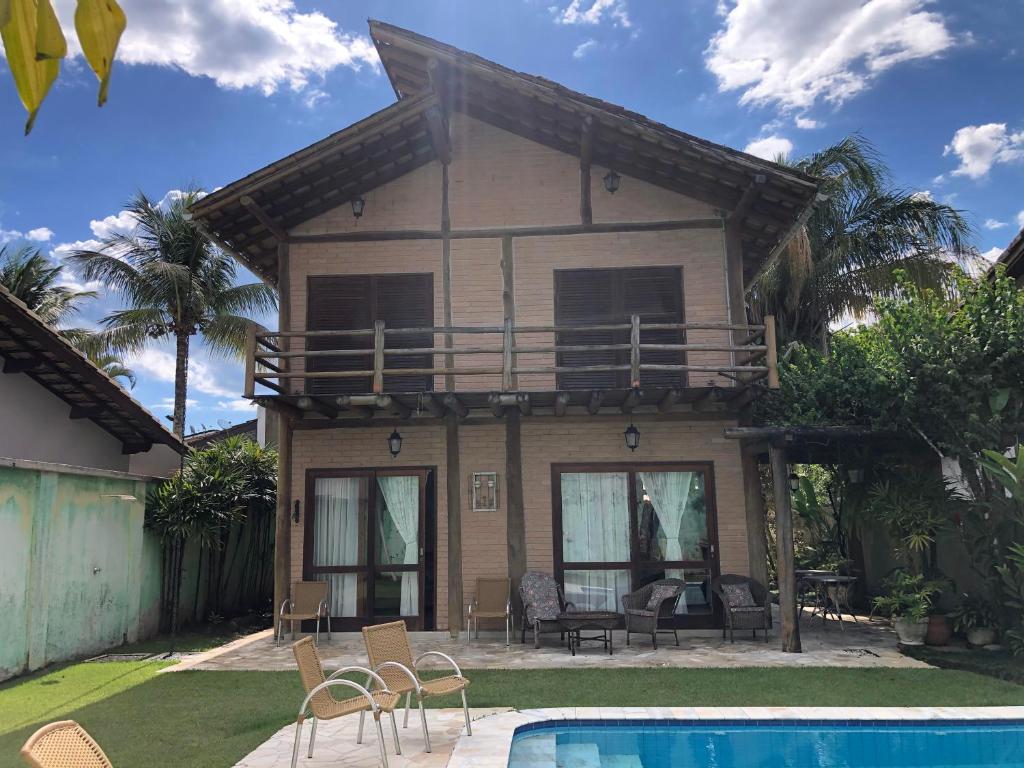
(862, 644)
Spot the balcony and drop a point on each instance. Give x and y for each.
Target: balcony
(535, 369)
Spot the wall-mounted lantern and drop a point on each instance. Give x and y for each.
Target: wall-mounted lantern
(611, 181)
(855, 475)
(358, 204)
(794, 482)
(632, 435)
(395, 443)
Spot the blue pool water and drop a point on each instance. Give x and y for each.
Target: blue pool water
(768, 744)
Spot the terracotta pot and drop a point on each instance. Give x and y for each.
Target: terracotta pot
(940, 630)
(980, 636)
(911, 632)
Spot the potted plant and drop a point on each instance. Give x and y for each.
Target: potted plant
(907, 601)
(976, 618)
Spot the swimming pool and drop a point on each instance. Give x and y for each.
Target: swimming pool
(775, 743)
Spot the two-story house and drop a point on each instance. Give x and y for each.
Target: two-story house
(512, 332)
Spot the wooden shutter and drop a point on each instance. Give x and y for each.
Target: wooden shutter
(339, 302)
(407, 301)
(655, 294)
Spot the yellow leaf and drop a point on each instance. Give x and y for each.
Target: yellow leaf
(99, 24)
(32, 78)
(50, 42)
(5, 11)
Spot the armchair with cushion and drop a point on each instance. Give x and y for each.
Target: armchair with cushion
(542, 601)
(650, 606)
(745, 603)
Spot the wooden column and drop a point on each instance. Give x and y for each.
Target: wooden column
(757, 543)
(454, 475)
(508, 301)
(515, 515)
(790, 629)
(283, 521)
(586, 152)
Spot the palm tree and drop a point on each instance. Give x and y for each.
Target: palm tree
(855, 243)
(33, 279)
(177, 285)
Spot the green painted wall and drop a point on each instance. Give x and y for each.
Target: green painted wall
(78, 574)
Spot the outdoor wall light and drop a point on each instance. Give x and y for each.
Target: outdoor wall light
(395, 443)
(358, 203)
(611, 181)
(794, 482)
(632, 435)
(296, 515)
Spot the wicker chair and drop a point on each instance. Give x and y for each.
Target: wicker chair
(390, 654)
(644, 619)
(752, 617)
(542, 600)
(309, 602)
(63, 744)
(321, 705)
(492, 600)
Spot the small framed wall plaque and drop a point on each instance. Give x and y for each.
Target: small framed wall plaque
(483, 489)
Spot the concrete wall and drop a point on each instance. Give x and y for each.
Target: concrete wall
(77, 573)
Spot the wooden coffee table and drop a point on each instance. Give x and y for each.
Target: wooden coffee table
(599, 621)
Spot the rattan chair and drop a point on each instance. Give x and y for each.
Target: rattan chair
(321, 705)
(63, 744)
(309, 601)
(390, 654)
(492, 600)
(752, 617)
(644, 620)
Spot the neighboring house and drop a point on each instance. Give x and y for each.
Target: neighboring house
(430, 260)
(1013, 258)
(76, 455)
(262, 429)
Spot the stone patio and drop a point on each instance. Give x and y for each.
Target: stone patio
(864, 643)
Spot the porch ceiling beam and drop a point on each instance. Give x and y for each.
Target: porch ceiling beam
(358, 406)
(750, 195)
(85, 412)
(525, 407)
(129, 448)
(456, 406)
(280, 406)
(594, 404)
(496, 406)
(632, 400)
(309, 403)
(435, 408)
(561, 403)
(263, 218)
(668, 400)
(437, 126)
(21, 364)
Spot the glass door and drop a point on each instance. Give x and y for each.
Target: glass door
(621, 527)
(364, 536)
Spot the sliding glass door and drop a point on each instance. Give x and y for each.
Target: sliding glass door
(365, 537)
(620, 527)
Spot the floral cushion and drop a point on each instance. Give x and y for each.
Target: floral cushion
(738, 595)
(539, 593)
(659, 593)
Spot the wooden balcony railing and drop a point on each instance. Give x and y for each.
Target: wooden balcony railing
(741, 354)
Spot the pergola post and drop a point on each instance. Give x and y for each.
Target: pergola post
(757, 540)
(790, 624)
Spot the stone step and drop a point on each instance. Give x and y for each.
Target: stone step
(621, 761)
(578, 756)
(536, 751)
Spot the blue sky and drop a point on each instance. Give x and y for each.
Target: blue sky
(206, 91)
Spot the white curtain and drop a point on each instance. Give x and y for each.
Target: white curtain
(595, 517)
(337, 538)
(596, 590)
(402, 497)
(684, 528)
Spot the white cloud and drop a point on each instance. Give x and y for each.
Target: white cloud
(238, 404)
(159, 364)
(167, 404)
(68, 280)
(924, 194)
(994, 224)
(1020, 219)
(595, 12)
(795, 53)
(992, 254)
(806, 123)
(584, 48)
(263, 44)
(979, 147)
(116, 223)
(769, 147)
(40, 234)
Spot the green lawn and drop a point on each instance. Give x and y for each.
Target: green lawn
(214, 718)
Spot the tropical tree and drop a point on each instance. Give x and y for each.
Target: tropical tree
(857, 238)
(177, 285)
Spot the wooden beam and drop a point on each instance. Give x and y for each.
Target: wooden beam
(784, 240)
(773, 352)
(561, 403)
(282, 515)
(586, 154)
(85, 412)
(21, 365)
(437, 126)
(515, 517)
(453, 471)
(321, 406)
(750, 195)
(446, 276)
(389, 404)
(497, 407)
(594, 404)
(790, 629)
(510, 380)
(456, 406)
(757, 539)
(351, 405)
(129, 448)
(632, 400)
(523, 400)
(668, 400)
(430, 403)
(263, 218)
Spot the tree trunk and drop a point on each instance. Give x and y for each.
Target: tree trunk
(180, 382)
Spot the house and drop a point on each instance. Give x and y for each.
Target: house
(512, 334)
(1013, 258)
(77, 453)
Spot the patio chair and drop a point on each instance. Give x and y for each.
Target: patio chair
(542, 600)
(390, 654)
(745, 603)
(649, 606)
(321, 705)
(309, 602)
(492, 600)
(63, 744)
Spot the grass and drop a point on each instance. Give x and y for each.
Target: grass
(1001, 665)
(185, 642)
(214, 718)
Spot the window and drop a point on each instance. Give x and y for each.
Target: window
(353, 302)
(597, 296)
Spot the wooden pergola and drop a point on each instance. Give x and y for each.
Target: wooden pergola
(780, 447)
